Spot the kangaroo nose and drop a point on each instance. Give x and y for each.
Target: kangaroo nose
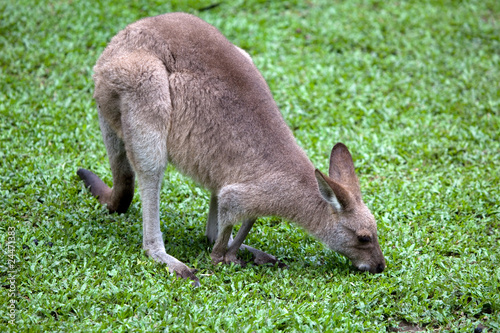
(379, 268)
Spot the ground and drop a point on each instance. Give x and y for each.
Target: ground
(411, 87)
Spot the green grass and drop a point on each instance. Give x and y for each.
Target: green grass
(411, 87)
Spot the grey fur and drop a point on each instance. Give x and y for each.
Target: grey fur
(173, 88)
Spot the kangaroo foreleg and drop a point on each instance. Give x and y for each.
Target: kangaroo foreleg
(235, 244)
(226, 248)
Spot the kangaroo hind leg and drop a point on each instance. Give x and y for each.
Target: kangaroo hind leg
(141, 81)
(118, 198)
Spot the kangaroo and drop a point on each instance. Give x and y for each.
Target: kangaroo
(172, 88)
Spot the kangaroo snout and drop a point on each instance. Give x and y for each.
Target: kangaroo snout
(371, 261)
(374, 269)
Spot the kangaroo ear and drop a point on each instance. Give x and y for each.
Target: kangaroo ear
(342, 168)
(334, 193)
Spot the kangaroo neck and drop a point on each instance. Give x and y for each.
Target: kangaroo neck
(300, 201)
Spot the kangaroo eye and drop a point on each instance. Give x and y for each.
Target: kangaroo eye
(364, 239)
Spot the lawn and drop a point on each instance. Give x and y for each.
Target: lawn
(411, 87)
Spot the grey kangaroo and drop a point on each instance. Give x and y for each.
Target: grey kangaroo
(172, 88)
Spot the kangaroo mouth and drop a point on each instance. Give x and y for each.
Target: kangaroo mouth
(372, 269)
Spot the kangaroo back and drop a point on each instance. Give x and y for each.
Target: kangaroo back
(224, 126)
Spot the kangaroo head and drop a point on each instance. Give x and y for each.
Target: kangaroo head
(353, 231)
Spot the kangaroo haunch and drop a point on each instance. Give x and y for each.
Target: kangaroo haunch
(172, 88)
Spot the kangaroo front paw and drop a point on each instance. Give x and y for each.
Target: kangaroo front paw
(227, 259)
(180, 269)
(261, 257)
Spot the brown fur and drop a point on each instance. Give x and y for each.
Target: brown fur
(173, 88)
